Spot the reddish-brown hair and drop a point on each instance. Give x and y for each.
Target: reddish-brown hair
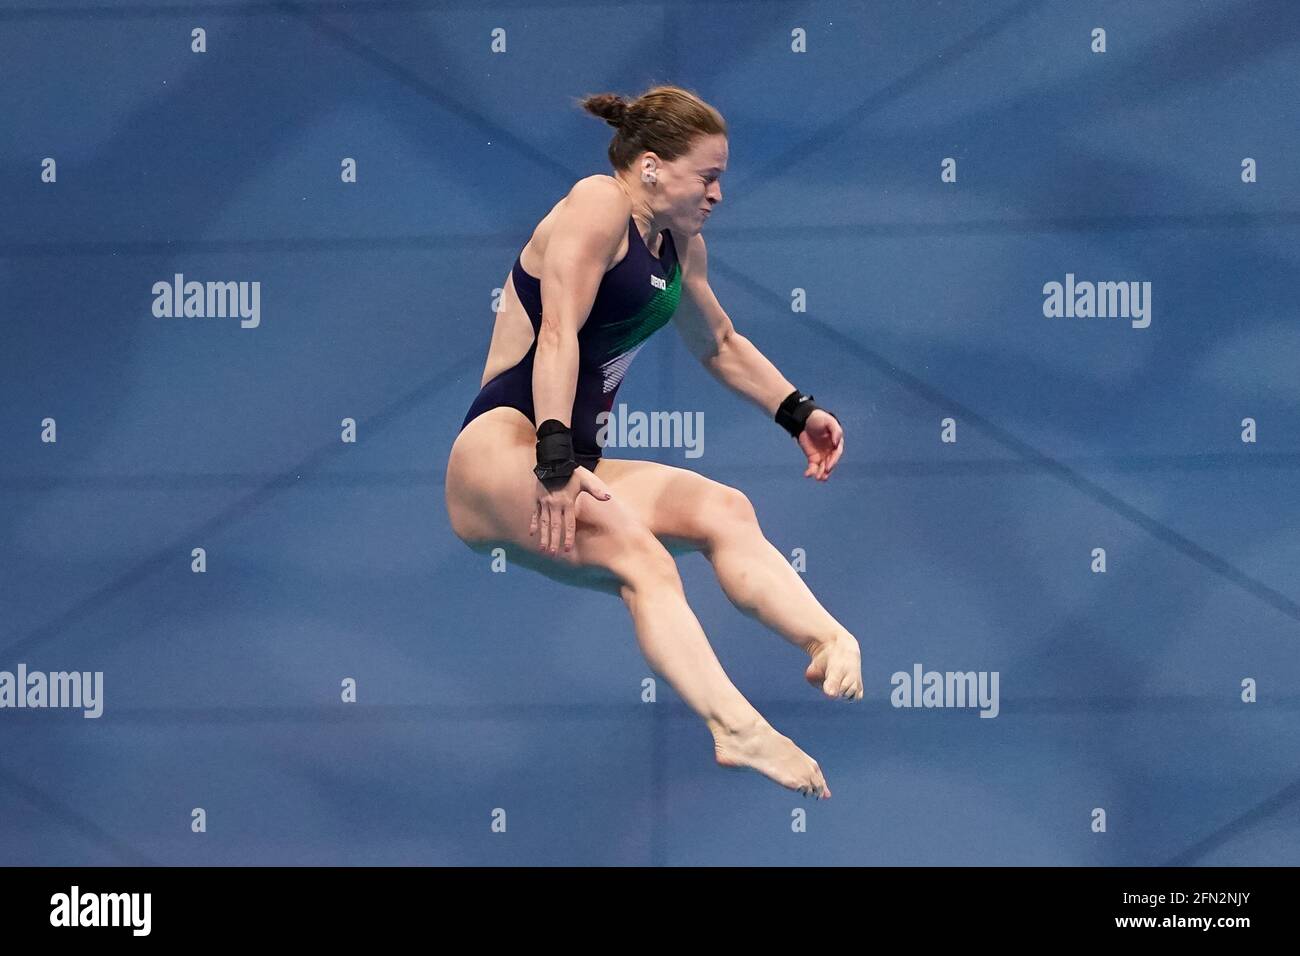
(665, 120)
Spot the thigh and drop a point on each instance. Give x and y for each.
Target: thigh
(680, 507)
(491, 497)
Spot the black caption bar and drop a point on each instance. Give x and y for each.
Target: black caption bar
(332, 905)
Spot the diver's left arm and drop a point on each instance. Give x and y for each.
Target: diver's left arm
(737, 363)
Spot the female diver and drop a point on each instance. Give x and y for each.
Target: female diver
(602, 271)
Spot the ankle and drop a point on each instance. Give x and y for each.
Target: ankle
(815, 644)
(738, 724)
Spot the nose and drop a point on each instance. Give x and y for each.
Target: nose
(714, 193)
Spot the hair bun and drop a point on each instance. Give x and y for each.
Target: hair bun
(610, 107)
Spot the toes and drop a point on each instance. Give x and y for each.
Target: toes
(838, 686)
(815, 785)
(819, 781)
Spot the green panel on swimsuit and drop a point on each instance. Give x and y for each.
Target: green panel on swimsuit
(631, 332)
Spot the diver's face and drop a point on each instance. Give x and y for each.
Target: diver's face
(690, 184)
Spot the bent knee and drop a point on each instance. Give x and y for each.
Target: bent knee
(728, 512)
(735, 505)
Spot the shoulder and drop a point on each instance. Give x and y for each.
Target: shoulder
(590, 224)
(601, 192)
(597, 206)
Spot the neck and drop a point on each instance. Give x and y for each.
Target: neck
(642, 212)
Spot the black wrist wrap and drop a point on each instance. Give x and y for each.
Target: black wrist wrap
(794, 411)
(555, 461)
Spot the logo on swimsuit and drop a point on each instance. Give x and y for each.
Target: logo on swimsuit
(623, 429)
(658, 283)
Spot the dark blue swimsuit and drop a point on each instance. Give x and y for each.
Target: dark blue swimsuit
(635, 298)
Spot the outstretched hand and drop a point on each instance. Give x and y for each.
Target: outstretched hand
(822, 440)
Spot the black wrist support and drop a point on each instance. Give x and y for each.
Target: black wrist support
(554, 453)
(793, 413)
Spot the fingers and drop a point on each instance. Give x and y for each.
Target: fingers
(823, 448)
(835, 457)
(543, 520)
(820, 466)
(814, 454)
(555, 519)
(557, 526)
(594, 487)
(551, 525)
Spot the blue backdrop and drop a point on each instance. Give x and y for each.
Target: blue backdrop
(1126, 691)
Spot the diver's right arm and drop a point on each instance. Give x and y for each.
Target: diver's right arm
(585, 237)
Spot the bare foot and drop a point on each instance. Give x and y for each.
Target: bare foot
(772, 754)
(836, 667)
